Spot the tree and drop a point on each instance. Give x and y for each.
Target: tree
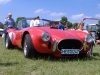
(75, 25)
(18, 19)
(64, 19)
(69, 24)
(66, 22)
(1, 25)
(99, 22)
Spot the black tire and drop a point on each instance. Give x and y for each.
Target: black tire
(91, 50)
(82, 55)
(8, 43)
(89, 53)
(28, 47)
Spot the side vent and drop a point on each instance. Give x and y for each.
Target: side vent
(49, 45)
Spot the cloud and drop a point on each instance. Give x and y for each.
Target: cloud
(47, 11)
(41, 11)
(98, 6)
(4, 1)
(57, 14)
(79, 16)
(97, 15)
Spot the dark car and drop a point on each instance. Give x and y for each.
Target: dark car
(94, 28)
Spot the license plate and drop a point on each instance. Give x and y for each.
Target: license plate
(70, 51)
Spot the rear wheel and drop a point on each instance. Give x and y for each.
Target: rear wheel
(8, 43)
(28, 47)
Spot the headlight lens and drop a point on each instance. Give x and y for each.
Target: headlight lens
(89, 38)
(45, 36)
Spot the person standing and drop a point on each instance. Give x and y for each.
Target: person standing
(32, 22)
(9, 23)
(81, 27)
(61, 26)
(35, 22)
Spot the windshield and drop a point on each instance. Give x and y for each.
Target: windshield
(91, 27)
(22, 24)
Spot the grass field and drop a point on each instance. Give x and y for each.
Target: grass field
(12, 62)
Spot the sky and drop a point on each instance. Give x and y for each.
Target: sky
(74, 10)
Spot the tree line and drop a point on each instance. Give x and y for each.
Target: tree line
(64, 19)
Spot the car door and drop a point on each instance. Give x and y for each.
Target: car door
(22, 25)
(19, 33)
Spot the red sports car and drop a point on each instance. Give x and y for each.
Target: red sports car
(48, 40)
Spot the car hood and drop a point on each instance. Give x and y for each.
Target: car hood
(59, 34)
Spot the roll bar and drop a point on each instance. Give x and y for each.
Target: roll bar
(91, 19)
(40, 19)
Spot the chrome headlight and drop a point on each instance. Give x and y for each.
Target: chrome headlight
(89, 38)
(45, 36)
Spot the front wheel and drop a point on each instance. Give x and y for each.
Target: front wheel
(28, 47)
(90, 52)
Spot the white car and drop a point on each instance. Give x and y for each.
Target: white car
(1, 32)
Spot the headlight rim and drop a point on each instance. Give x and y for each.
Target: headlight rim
(43, 35)
(91, 39)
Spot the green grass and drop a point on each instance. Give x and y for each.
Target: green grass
(12, 62)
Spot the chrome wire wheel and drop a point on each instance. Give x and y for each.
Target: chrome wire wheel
(28, 48)
(6, 42)
(25, 48)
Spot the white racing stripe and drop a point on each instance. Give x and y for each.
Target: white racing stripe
(11, 35)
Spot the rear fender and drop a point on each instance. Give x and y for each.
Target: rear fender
(11, 36)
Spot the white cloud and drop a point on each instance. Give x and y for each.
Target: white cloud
(98, 6)
(4, 1)
(79, 16)
(57, 14)
(97, 15)
(41, 11)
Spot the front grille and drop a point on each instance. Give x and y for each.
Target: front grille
(69, 44)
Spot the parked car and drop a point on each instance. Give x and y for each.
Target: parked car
(48, 40)
(93, 28)
(1, 32)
